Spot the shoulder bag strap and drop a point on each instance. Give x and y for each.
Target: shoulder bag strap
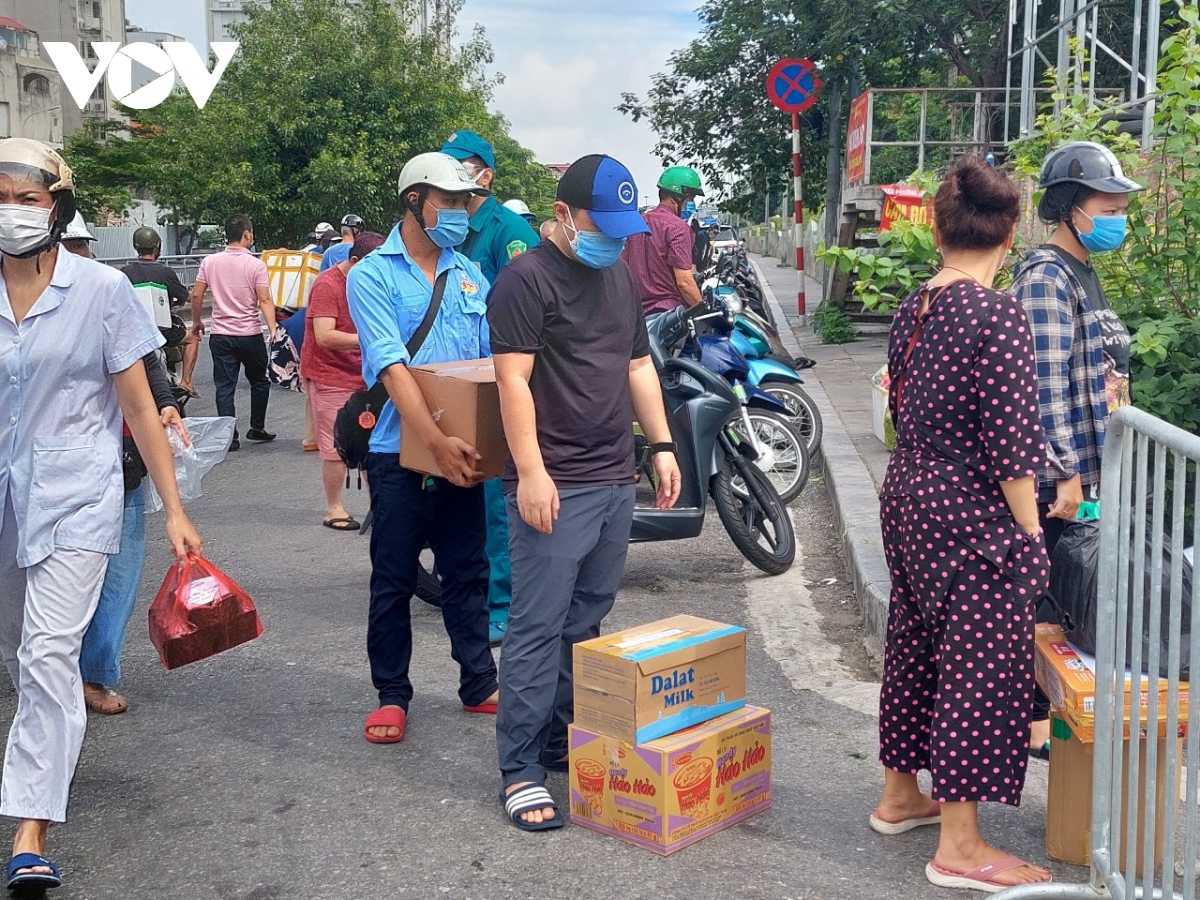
(378, 393)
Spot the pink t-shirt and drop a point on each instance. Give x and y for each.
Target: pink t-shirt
(234, 276)
(654, 257)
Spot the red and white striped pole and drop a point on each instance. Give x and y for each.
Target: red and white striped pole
(798, 191)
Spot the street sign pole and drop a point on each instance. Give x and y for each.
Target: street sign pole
(792, 86)
(797, 174)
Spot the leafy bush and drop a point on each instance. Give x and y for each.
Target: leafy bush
(883, 278)
(832, 325)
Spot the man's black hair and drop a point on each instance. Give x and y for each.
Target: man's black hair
(1059, 199)
(236, 228)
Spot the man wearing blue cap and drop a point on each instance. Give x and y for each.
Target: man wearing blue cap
(497, 236)
(574, 370)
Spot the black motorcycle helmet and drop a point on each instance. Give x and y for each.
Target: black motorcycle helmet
(355, 222)
(146, 241)
(1074, 172)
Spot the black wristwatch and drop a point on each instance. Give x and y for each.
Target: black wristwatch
(665, 447)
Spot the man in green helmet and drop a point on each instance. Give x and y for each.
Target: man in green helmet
(661, 261)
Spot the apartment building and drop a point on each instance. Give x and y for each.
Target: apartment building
(79, 22)
(30, 90)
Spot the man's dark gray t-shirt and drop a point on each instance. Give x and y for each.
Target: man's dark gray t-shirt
(584, 326)
(146, 271)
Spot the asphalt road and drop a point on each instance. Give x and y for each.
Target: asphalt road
(246, 777)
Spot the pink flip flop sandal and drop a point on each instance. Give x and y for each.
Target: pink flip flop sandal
(980, 879)
(883, 826)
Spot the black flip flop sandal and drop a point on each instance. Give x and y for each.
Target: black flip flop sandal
(531, 798)
(348, 523)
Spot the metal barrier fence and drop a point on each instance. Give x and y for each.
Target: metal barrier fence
(1145, 508)
(185, 267)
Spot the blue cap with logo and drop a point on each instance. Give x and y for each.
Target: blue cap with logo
(606, 189)
(465, 144)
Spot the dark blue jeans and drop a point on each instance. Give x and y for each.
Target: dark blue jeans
(230, 353)
(453, 522)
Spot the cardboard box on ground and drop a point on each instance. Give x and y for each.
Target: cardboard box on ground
(1070, 684)
(465, 403)
(666, 794)
(664, 750)
(1069, 800)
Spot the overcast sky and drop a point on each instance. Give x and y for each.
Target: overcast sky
(566, 65)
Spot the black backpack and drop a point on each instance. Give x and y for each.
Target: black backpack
(356, 420)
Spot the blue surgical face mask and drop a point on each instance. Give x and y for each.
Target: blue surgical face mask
(452, 228)
(594, 249)
(1107, 234)
(689, 210)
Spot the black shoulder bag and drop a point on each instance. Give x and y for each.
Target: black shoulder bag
(356, 420)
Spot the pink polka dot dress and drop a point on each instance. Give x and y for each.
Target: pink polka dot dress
(958, 670)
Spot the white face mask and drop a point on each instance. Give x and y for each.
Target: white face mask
(23, 228)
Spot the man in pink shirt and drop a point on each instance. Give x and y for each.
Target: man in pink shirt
(661, 261)
(241, 300)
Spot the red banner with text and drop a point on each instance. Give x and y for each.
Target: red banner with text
(904, 202)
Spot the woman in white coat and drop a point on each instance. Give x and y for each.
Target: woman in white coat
(72, 337)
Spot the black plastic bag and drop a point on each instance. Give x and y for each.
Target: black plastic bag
(1074, 574)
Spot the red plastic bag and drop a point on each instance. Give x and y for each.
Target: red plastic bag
(199, 612)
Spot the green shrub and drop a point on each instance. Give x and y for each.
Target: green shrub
(832, 325)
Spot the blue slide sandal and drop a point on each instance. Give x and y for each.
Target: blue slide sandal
(43, 880)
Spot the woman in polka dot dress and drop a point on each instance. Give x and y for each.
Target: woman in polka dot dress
(960, 529)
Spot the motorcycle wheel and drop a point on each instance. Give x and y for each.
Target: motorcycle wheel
(787, 462)
(429, 583)
(803, 411)
(757, 521)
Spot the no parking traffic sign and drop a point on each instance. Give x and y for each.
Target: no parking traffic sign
(792, 85)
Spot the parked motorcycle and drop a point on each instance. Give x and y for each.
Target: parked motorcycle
(780, 450)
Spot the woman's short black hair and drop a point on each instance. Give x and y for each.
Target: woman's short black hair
(1059, 199)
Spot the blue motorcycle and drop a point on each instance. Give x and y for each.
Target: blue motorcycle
(763, 422)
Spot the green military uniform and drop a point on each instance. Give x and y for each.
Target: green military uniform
(498, 236)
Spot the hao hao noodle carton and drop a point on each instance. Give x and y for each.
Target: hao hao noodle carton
(674, 791)
(648, 682)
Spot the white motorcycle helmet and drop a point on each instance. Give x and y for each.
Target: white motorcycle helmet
(78, 230)
(520, 208)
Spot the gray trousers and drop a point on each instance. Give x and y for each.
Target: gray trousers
(564, 584)
(44, 612)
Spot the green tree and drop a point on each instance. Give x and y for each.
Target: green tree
(710, 109)
(315, 117)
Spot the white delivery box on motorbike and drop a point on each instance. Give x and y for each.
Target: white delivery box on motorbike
(156, 299)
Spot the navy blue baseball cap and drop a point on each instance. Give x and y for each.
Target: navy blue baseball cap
(465, 144)
(606, 189)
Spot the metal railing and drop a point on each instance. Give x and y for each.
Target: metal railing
(1144, 511)
(938, 125)
(186, 267)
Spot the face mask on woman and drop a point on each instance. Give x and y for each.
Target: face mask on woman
(23, 228)
(1107, 234)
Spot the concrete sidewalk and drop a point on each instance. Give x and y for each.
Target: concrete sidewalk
(855, 462)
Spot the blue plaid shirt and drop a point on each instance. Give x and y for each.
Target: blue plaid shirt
(1069, 347)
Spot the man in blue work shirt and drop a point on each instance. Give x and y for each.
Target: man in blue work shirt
(389, 294)
(352, 227)
(498, 236)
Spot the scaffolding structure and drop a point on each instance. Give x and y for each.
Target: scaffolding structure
(1039, 33)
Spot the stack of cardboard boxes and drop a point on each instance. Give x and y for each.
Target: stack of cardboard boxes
(1069, 681)
(664, 750)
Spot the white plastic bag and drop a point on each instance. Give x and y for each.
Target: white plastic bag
(211, 438)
